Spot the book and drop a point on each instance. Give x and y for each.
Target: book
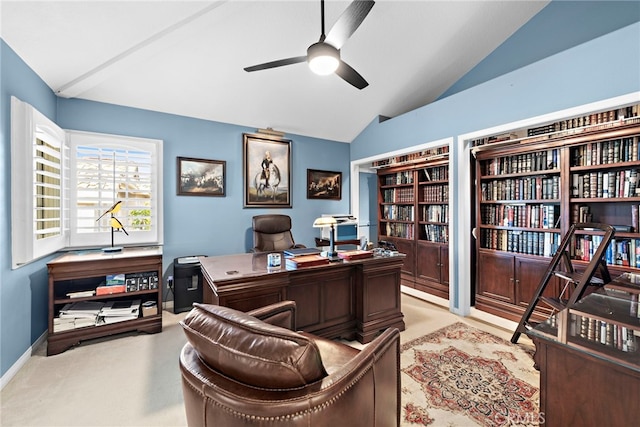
(81, 294)
(306, 261)
(355, 254)
(301, 251)
(107, 290)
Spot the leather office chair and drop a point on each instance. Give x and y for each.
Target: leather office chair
(272, 232)
(250, 369)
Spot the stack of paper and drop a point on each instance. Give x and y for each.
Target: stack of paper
(119, 311)
(77, 315)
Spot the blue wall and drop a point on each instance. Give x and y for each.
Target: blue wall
(559, 26)
(23, 292)
(192, 225)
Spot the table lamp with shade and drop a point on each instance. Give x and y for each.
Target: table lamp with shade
(327, 221)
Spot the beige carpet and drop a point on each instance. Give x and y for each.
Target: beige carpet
(134, 379)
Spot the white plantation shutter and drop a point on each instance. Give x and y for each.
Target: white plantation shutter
(61, 182)
(108, 169)
(38, 174)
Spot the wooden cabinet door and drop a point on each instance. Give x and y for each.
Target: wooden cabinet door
(407, 247)
(529, 273)
(444, 266)
(428, 262)
(496, 278)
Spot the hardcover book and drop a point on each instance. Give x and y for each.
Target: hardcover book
(355, 254)
(306, 261)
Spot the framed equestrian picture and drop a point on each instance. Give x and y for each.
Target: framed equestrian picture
(267, 171)
(324, 185)
(200, 177)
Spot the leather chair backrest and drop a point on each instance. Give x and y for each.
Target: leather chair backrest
(272, 232)
(250, 351)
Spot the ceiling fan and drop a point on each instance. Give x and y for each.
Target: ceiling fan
(324, 56)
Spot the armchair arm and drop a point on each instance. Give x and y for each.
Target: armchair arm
(281, 314)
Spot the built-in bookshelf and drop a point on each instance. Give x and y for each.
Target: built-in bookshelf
(533, 183)
(414, 215)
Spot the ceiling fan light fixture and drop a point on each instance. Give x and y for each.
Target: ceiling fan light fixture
(323, 58)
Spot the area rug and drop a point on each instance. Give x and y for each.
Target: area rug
(462, 376)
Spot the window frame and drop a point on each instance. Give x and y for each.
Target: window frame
(102, 239)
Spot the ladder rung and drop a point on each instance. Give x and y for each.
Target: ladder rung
(556, 303)
(576, 277)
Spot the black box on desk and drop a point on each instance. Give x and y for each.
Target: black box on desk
(187, 283)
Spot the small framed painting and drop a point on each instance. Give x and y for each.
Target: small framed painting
(200, 177)
(324, 184)
(267, 171)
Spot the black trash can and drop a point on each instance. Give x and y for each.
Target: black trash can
(187, 283)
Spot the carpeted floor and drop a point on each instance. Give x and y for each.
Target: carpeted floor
(134, 379)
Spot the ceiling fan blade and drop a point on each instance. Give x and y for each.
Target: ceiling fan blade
(351, 76)
(278, 63)
(348, 22)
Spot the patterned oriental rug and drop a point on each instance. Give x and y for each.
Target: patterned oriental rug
(459, 376)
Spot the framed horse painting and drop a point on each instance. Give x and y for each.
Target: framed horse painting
(267, 171)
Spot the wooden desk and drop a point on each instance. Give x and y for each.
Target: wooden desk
(350, 300)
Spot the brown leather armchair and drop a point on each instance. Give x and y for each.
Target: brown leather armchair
(239, 370)
(272, 232)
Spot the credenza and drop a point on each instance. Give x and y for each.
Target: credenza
(345, 299)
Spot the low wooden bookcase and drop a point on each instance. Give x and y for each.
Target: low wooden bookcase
(85, 271)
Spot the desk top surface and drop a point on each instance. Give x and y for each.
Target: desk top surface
(241, 266)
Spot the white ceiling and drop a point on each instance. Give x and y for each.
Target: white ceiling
(187, 57)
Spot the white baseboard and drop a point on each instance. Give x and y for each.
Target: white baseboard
(15, 368)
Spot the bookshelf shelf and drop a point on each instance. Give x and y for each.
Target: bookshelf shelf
(533, 184)
(87, 271)
(416, 192)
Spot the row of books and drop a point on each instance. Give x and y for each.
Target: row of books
(399, 229)
(398, 195)
(435, 213)
(603, 184)
(589, 122)
(524, 242)
(606, 152)
(621, 251)
(398, 212)
(81, 314)
(435, 193)
(581, 213)
(412, 157)
(530, 188)
(530, 216)
(436, 233)
(404, 177)
(521, 163)
(586, 120)
(437, 173)
(604, 333)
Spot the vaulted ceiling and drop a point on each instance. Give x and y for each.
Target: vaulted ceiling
(187, 57)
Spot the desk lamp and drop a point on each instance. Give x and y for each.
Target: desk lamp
(324, 222)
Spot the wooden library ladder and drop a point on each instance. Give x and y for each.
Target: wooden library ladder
(562, 267)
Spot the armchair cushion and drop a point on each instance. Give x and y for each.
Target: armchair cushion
(251, 351)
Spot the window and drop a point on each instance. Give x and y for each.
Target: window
(107, 169)
(62, 182)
